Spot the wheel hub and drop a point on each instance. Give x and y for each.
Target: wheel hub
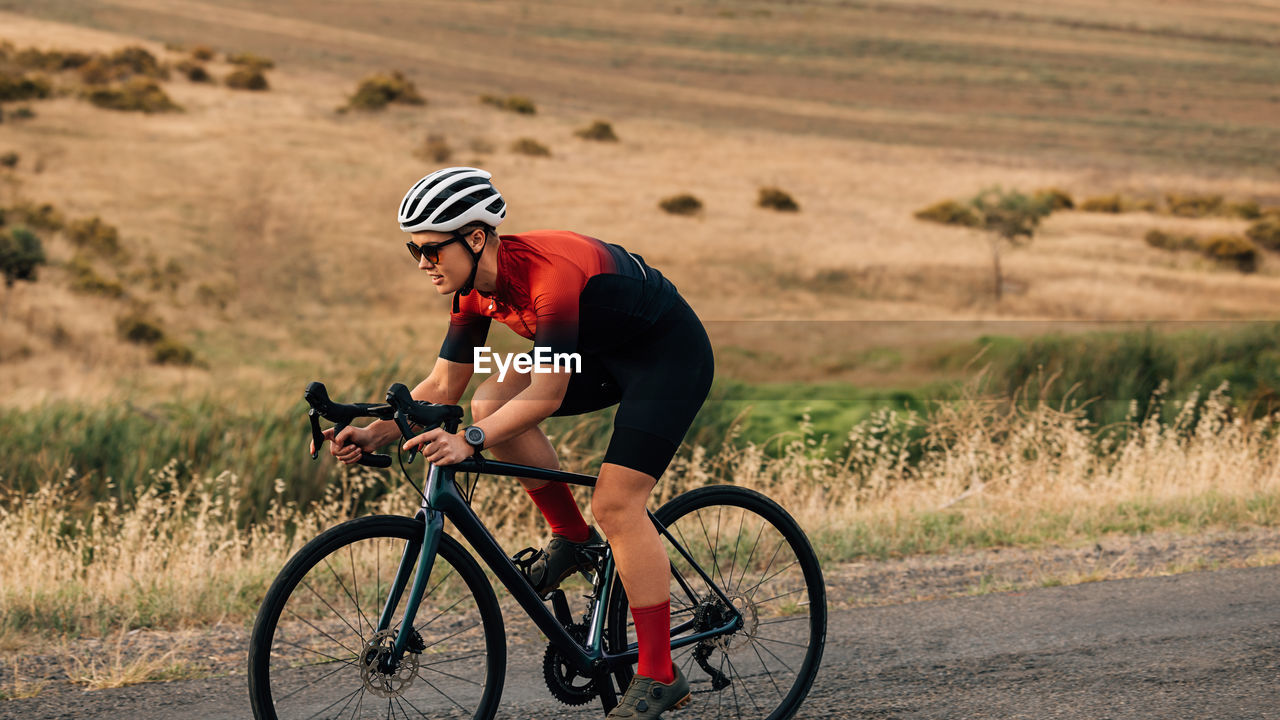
(736, 642)
(380, 676)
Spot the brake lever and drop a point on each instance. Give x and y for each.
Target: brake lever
(317, 437)
(405, 430)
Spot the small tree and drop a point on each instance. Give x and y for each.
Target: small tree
(1008, 216)
(20, 254)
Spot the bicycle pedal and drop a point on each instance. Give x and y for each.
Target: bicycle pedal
(682, 703)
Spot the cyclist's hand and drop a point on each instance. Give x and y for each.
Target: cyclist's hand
(349, 445)
(441, 447)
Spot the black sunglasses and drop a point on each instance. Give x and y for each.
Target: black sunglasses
(431, 250)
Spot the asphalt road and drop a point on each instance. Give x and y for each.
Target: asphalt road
(1198, 645)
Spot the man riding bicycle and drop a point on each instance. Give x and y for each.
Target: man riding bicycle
(642, 349)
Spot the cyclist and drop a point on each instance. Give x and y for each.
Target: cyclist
(641, 347)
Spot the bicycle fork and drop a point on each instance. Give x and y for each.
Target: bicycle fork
(422, 555)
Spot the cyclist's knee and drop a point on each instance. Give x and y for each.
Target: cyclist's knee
(619, 499)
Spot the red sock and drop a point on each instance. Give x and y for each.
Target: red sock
(561, 511)
(653, 634)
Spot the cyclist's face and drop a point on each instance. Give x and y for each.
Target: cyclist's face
(452, 262)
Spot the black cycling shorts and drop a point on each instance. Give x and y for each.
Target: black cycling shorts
(658, 379)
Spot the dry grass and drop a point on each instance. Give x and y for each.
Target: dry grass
(123, 665)
(981, 473)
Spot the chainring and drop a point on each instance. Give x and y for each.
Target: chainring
(562, 680)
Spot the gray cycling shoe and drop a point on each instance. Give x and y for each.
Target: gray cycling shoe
(647, 699)
(562, 557)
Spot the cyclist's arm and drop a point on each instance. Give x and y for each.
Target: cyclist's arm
(528, 408)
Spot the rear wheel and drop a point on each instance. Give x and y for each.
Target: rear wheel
(762, 561)
(316, 651)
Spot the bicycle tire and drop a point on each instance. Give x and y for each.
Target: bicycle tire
(306, 646)
(730, 530)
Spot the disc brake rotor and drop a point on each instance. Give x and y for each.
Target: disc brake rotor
(377, 650)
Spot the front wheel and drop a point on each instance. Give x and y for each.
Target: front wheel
(316, 650)
(764, 565)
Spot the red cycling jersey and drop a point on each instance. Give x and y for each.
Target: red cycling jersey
(542, 276)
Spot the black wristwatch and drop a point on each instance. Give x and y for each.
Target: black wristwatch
(474, 437)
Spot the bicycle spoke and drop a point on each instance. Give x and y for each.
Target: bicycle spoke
(359, 631)
(348, 697)
(779, 642)
(313, 682)
(442, 693)
(335, 640)
(775, 657)
(745, 688)
(714, 560)
(336, 614)
(355, 583)
(746, 567)
(415, 707)
(777, 597)
(765, 665)
(795, 618)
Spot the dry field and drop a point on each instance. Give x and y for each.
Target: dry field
(277, 208)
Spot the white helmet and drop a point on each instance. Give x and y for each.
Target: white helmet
(447, 199)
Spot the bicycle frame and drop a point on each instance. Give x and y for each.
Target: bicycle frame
(443, 499)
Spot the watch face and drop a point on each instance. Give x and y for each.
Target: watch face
(475, 436)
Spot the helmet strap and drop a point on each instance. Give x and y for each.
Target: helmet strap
(470, 284)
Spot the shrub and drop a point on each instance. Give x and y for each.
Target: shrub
(203, 53)
(1104, 204)
(1194, 206)
(194, 71)
(480, 145)
(950, 212)
(1055, 199)
(529, 146)
(377, 91)
(139, 327)
(85, 279)
(136, 95)
(24, 87)
(247, 78)
(513, 103)
(683, 204)
(434, 149)
(168, 351)
(51, 60)
(137, 60)
(1168, 241)
(95, 235)
(9, 159)
(250, 60)
(1233, 250)
(776, 199)
(1247, 210)
(98, 72)
(40, 217)
(20, 254)
(22, 113)
(1265, 232)
(598, 130)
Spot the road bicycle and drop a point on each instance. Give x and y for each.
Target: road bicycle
(390, 617)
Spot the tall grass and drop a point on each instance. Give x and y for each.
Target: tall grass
(979, 472)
